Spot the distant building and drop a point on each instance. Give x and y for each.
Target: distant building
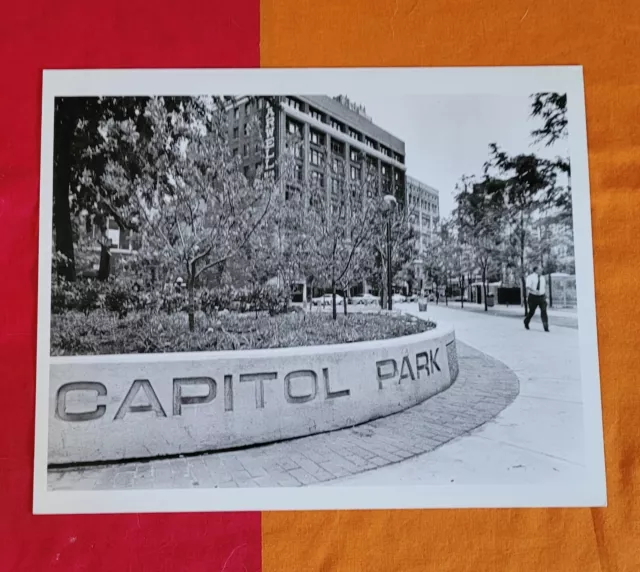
(423, 204)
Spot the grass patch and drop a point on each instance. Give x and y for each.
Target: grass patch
(101, 332)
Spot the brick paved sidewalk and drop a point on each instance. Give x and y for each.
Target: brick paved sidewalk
(484, 387)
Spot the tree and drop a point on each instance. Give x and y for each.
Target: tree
(403, 243)
(442, 256)
(191, 202)
(340, 225)
(480, 215)
(551, 109)
(83, 147)
(525, 184)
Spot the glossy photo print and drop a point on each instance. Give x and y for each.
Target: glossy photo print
(316, 289)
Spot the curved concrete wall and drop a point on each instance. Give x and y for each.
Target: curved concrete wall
(137, 406)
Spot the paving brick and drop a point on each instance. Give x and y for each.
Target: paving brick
(304, 477)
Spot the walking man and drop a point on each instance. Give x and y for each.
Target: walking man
(536, 296)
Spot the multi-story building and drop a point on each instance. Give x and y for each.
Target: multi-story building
(423, 203)
(331, 140)
(329, 132)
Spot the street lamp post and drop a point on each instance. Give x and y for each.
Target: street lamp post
(390, 203)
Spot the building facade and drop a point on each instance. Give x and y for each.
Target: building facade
(423, 203)
(328, 134)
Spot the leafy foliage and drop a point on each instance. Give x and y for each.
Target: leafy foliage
(552, 109)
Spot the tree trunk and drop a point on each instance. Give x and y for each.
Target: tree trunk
(334, 308)
(462, 290)
(67, 116)
(105, 263)
(192, 300)
(344, 300)
(484, 289)
(550, 292)
(522, 270)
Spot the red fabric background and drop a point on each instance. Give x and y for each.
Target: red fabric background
(34, 35)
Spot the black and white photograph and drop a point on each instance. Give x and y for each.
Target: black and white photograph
(309, 289)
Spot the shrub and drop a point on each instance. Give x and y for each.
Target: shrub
(210, 300)
(274, 300)
(82, 295)
(120, 299)
(148, 332)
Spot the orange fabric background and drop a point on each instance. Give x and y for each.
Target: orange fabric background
(604, 37)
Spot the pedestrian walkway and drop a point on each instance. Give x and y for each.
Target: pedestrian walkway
(538, 439)
(484, 387)
(566, 318)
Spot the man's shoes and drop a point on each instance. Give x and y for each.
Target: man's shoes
(546, 329)
(526, 325)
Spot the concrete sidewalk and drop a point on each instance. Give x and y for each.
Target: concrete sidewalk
(566, 318)
(537, 439)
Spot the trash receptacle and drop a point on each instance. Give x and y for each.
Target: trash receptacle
(491, 300)
(422, 304)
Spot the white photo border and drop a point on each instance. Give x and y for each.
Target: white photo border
(591, 491)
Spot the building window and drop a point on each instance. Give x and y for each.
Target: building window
(354, 155)
(355, 173)
(353, 133)
(370, 142)
(317, 178)
(258, 165)
(316, 114)
(257, 147)
(293, 128)
(384, 169)
(335, 187)
(297, 172)
(385, 151)
(236, 113)
(246, 129)
(245, 150)
(245, 170)
(316, 158)
(336, 165)
(337, 147)
(317, 138)
(337, 125)
(236, 132)
(294, 103)
(235, 151)
(247, 108)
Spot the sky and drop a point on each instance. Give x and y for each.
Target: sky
(448, 136)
